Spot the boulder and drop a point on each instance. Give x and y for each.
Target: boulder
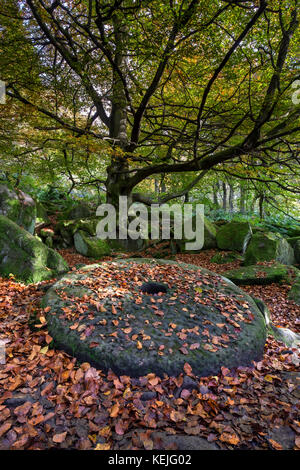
(268, 246)
(295, 243)
(92, 247)
(24, 256)
(294, 293)
(259, 274)
(66, 229)
(203, 319)
(41, 214)
(285, 335)
(210, 231)
(234, 236)
(80, 211)
(47, 235)
(18, 207)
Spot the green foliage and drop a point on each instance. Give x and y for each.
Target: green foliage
(277, 223)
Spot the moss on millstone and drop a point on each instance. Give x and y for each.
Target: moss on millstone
(262, 275)
(91, 247)
(223, 258)
(24, 256)
(267, 247)
(234, 236)
(134, 334)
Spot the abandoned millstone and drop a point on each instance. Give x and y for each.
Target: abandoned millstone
(203, 319)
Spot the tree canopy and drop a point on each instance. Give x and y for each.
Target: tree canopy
(118, 91)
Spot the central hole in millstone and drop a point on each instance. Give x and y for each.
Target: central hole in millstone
(153, 288)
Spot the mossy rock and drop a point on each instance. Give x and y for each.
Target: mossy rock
(268, 246)
(295, 243)
(294, 293)
(203, 319)
(223, 258)
(80, 211)
(234, 236)
(92, 247)
(24, 256)
(70, 227)
(210, 231)
(41, 213)
(262, 275)
(18, 207)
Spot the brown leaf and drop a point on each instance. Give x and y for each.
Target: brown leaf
(115, 410)
(4, 428)
(230, 438)
(59, 438)
(187, 369)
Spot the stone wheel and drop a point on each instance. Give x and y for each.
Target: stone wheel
(100, 315)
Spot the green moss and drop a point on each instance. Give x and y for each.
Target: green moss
(80, 211)
(22, 255)
(295, 243)
(294, 293)
(20, 208)
(233, 236)
(268, 246)
(91, 247)
(262, 275)
(222, 258)
(210, 233)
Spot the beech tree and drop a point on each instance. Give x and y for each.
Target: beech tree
(161, 86)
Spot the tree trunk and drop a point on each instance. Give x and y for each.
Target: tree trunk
(224, 195)
(261, 206)
(162, 184)
(231, 197)
(117, 183)
(117, 178)
(242, 200)
(215, 195)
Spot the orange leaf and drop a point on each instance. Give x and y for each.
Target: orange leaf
(115, 410)
(275, 444)
(187, 368)
(229, 438)
(59, 438)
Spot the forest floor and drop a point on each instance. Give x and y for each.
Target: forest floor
(49, 401)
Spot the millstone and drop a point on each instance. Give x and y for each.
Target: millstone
(101, 315)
